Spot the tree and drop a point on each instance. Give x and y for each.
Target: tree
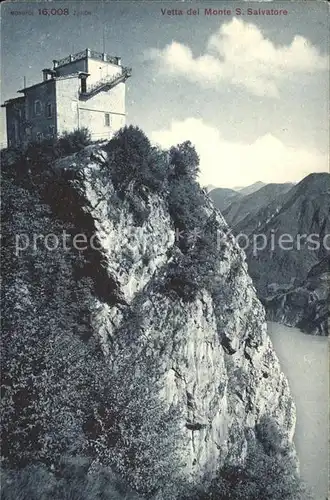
(134, 160)
(185, 204)
(129, 150)
(185, 160)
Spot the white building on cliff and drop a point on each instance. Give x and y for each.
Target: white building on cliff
(86, 89)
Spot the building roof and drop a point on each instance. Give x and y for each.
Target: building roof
(12, 101)
(35, 85)
(84, 54)
(64, 77)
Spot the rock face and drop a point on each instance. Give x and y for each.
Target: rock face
(71, 311)
(307, 305)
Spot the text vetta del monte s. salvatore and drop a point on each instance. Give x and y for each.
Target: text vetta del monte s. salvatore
(238, 11)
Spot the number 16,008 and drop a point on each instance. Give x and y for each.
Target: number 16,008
(53, 12)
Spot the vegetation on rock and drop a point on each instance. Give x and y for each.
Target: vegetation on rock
(64, 394)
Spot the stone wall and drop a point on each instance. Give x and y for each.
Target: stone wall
(15, 113)
(73, 112)
(73, 67)
(67, 104)
(101, 69)
(92, 112)
(40, 125)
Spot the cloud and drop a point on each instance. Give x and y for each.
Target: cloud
(238, 53)
(228, 164)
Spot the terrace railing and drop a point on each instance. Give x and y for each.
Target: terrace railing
(83, 54)
(106, 83)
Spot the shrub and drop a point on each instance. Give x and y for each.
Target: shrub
(194, 270)
(271, 476)
(72, 142)
(183, 279)
(196, 264)
(42, 154)
(269, 435)
(185, 197)
(129, 150)
(264, 476)
(184, 160)
(207, 255)
(70, 482)
(155, 176)
(139, 208)
(185, 202)
(132, 430)
(133, 159)
(136, 165)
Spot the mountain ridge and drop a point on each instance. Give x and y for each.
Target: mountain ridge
(253, 202)
(303, 214)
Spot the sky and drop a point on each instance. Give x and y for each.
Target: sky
(250, 91)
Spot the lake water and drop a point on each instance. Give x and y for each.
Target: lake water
(305, 362)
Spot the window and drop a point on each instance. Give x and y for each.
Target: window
(51, 131)
(83, 85)
(107, 119)
(49, 110)
(37, 108)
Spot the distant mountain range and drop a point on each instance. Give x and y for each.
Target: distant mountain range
(250, 189)
(236, 203)
(291, 273)
(249, 205)
(223, 197)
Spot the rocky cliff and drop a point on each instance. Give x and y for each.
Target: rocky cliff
(306, 305)
(102, 339)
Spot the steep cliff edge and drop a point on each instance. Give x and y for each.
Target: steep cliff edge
(122, 343)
